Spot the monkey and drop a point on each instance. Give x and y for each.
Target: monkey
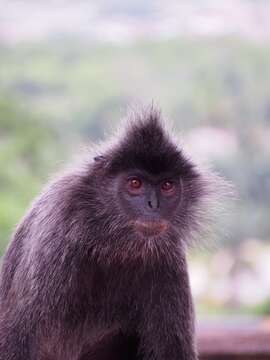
(97, 268)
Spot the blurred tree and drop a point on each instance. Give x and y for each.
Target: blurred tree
(27, 150)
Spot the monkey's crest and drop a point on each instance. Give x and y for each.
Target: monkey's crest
(146, 145)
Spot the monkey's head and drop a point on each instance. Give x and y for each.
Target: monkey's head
(150, 195)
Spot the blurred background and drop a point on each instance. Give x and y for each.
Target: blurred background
(68, 71)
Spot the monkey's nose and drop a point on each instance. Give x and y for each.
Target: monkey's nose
(153, 202)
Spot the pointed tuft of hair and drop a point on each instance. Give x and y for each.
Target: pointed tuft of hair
(146, 145)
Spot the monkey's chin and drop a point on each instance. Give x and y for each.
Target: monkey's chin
(150, 228)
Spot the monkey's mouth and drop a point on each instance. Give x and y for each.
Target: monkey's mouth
(151, 228)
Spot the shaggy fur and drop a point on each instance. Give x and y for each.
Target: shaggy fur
(77, 282)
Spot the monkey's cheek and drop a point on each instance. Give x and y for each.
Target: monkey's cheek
(150, 228)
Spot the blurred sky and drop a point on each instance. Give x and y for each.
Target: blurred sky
(121, 21)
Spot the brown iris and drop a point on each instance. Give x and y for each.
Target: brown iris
(135, 183)
(167, 186)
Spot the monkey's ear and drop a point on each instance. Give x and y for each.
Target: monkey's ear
(101, 161)
(100, 158)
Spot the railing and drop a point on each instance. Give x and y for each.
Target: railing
(243, 343)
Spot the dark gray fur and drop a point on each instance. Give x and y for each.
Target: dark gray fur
(76, 281)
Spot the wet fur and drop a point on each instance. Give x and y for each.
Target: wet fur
(78, 283)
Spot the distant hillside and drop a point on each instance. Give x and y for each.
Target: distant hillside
(216, 91)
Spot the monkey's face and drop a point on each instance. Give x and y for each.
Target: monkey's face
(147, 195)
(149, 201)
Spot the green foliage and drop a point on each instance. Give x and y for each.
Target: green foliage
(27, 151)
(262, 309)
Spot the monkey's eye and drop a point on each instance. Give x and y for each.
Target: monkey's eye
(135, 183)
(168, 186)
